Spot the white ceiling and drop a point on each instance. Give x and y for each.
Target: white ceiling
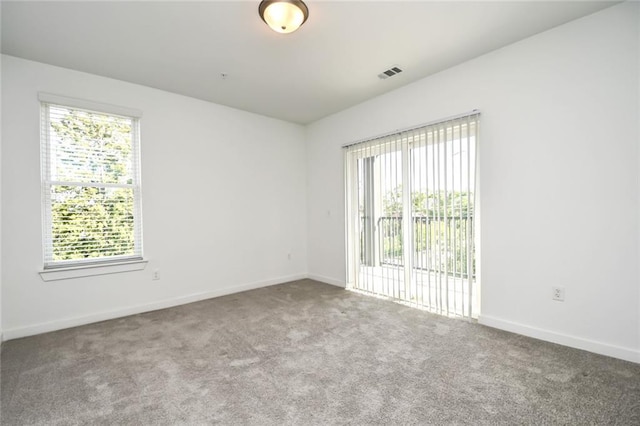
(329, 64)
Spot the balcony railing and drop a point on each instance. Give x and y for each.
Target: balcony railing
(440, 244)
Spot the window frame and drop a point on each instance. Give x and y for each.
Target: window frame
(53, 270)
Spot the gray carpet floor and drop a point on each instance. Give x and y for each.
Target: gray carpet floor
(307, 353)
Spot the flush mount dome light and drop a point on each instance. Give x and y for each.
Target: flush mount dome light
(283, 16)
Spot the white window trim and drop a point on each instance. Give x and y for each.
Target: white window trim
(99, 266)
(90, 270)
(89, 105)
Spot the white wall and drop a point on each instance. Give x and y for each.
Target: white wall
(558, 181)
(638, 122)
(1, 335)
(224, 201)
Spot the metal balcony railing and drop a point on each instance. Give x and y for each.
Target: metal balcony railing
(440, 244)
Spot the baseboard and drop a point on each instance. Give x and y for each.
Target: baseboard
(619, 352)
(327, 280)
(46, 327)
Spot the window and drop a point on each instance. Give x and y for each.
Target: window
(90, 183)
(411, 216)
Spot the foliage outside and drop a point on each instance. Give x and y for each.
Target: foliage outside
(431, 204)
(91, 221)
(440, 230)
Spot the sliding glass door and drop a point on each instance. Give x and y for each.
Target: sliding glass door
(410, 216)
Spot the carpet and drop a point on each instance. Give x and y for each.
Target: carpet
(306, 353)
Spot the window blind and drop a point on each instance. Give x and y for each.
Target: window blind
(90, 184)
(410, 215)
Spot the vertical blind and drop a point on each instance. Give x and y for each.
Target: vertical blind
(90, 184)
(410, 216)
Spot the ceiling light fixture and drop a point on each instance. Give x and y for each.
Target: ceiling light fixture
(283, 16)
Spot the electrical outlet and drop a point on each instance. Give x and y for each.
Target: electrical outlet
(156, 275)
(558, 294)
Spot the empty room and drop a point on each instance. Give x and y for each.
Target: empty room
(320, 212)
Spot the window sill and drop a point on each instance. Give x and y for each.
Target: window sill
(92, 270)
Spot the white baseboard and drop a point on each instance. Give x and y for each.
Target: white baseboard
(327, 280)
(30, 330)
(627, 354)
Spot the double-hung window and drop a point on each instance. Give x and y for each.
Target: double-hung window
(90, 183)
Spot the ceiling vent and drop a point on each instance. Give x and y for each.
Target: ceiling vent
(389, 73)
